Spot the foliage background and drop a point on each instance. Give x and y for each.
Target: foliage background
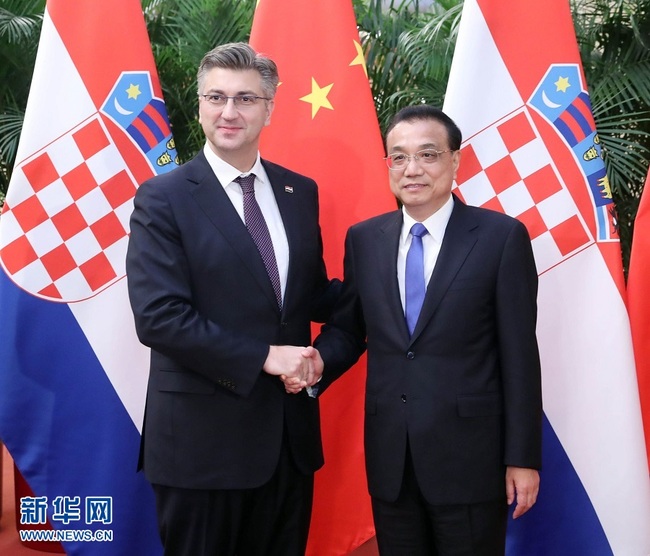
(409, 46)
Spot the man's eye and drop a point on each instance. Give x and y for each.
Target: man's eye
(216, 98)
(398, 158)
(246, 99)
(427, 155)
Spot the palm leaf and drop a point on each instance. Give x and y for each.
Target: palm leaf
(20, 24)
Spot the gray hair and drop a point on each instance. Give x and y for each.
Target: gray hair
(240, 56)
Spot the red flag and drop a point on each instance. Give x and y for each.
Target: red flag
(638, 298)
(325, 126)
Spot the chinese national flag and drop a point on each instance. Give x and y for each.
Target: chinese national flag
(638, 297)
(325, 126)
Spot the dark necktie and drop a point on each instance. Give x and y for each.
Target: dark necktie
(259, 231)
(415, 287)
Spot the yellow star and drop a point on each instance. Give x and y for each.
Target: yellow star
(133, 91)
(562, 84)
(360, 60)
(318, 97)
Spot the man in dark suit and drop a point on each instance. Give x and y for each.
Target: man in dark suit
(453, 396)
(225, 270)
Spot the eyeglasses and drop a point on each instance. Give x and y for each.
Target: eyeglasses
(240, 101)
(399, 161)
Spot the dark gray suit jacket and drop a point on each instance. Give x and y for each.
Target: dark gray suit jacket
(465, 389)
(203, 302)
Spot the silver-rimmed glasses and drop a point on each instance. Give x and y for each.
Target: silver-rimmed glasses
(240, 101)
(399, 161)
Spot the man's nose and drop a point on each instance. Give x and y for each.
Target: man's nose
(229, 110)
(413, 167)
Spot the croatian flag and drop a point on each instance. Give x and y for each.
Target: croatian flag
(72, 373)
(531, 149)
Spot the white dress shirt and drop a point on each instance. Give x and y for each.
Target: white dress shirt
(227, 174)
(436, 225)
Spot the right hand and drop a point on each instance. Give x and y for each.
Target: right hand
(294, 385)
(288, 361)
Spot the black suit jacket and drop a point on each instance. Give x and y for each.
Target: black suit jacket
(465, 389)
(203, 302)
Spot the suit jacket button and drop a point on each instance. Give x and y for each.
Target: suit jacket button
(403, 398)
(410, 355)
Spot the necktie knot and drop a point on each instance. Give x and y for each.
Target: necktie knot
(247, 183)
(419, 230)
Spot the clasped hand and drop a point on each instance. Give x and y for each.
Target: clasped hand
(297, 367)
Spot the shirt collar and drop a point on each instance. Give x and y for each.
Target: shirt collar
(436, 224)
(226, 173)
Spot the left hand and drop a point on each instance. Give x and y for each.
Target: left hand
(522, 484)
(291, 385)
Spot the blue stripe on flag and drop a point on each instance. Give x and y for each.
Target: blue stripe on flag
(544, 530)
(152, 125)
(159, 106)
(138, 138)
(566, 132)
(65, 426)
(579, 117)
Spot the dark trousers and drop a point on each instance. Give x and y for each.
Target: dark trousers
(411, 526)
(272, 520)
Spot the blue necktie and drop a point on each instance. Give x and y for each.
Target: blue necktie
(254, 220)
(415, 287)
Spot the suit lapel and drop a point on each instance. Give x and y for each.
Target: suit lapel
(214, 202)
(386, 256)
(286, 200)
(283, 191)
(459, 240)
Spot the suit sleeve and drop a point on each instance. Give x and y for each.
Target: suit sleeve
(516, 306)
(326, 291)
(343, 339)
(159, 283)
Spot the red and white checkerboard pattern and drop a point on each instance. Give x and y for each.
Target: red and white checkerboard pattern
(508, 168)
(65, 221)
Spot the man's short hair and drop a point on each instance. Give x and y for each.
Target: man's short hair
(240, 56)
(427, 112)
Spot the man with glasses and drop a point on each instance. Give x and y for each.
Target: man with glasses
(225, 273)
(443, 296)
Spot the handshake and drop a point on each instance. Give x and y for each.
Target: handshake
(297, 367)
